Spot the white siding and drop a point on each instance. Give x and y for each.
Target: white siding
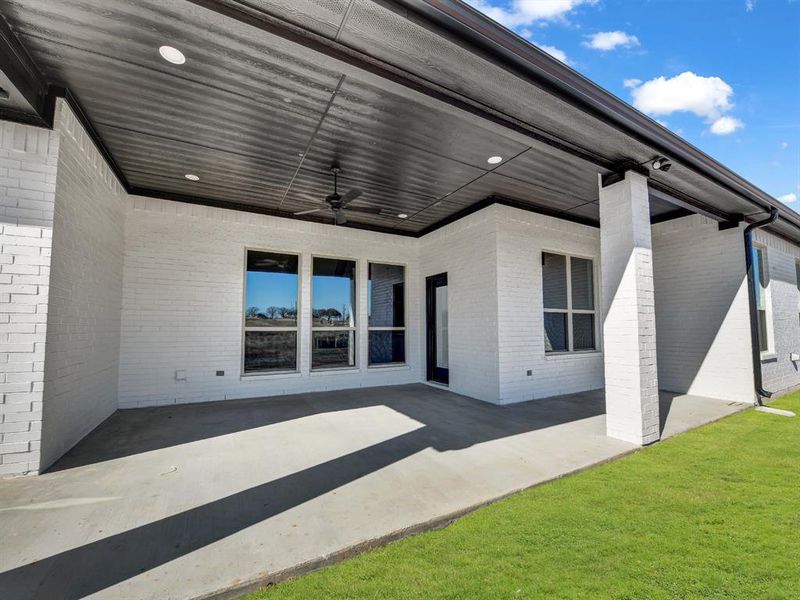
(702, 312)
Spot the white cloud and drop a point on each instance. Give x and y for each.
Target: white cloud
(784, 145)
(608, 40)
(749, 5)
(787, 198)
(556, 53)
(707, 97)
(725, 125)
(526, 12)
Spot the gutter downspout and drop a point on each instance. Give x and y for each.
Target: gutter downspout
(755, 338)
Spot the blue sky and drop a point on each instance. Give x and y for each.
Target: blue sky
(265, 289)
(723, 74)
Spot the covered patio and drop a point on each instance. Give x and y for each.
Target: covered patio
(188, 501)
(169, 161)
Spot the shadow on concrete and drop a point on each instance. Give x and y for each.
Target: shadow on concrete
(451, 422)
(664, 406)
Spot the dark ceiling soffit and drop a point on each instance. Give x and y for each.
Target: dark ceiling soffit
(17, 65)
(47, 109)
(59, 92)
(568, 85)
(242, 12)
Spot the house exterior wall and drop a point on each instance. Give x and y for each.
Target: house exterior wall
(779, 372)
(28, 160)
(60, 272)
(467, 251)
(522, 237)
(702, 310)
(83, 324)
(183, 294)
(183, 302)
(105, 297)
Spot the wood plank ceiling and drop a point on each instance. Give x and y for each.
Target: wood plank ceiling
(261, 119)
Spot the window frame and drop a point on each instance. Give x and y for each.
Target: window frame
(569, 311)
(354, 328)
(297, 328)
(769, 331)
(404, 328)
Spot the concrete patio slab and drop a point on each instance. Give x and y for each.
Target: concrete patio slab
(192, 500)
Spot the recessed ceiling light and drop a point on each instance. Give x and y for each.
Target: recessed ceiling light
(173, 55)
(493, 160)
(192, 177)
(403, 215)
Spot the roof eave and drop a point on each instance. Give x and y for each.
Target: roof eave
(510, 50)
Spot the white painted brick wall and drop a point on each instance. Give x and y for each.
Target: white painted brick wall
(183, 297)
(702, 313)
(28, 158)
(778, 371)
(629, 325)
(522, 237)
(467, 251)
(81, 356)
(183, 286)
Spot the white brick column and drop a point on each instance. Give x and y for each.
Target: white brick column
(28, 161)
(629, 325)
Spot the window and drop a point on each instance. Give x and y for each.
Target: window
(270, 314)
(761, 282)
(386, 309)
(333, 321)
(568, 294)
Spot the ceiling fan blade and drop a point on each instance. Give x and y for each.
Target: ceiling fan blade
(308, 212)
(339, 217)
(350, 196)
(365, 210)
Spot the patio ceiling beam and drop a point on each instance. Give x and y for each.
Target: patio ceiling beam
(664, 192)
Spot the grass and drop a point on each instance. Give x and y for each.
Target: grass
(713, 513)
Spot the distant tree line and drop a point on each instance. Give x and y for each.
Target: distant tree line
(271, 312)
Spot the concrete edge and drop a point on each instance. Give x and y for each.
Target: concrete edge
(740, 408)
(258, 583)
(261, 582)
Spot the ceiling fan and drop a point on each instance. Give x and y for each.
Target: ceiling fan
(337, 204)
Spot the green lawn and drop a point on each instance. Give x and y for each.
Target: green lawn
(713, 513)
